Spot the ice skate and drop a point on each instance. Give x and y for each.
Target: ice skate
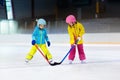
(51, 61)
(70, 61)
(83, 62)
(27, 61)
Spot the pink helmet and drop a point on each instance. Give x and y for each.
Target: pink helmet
(70, 19)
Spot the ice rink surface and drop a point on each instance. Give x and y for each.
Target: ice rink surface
(102, 63)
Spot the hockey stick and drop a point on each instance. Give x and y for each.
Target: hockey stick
(55, 63)
(67, 54)
(69, 51)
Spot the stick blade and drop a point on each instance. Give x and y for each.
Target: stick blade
(55, 63)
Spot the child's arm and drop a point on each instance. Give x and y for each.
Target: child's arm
(82, 30)
(33, 36)
(47, 39)
(71, 36)
(34, 33)
(46, 36)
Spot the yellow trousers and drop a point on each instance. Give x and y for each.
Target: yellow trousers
(44, 49)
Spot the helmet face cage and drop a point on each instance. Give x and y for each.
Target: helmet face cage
(41, 21)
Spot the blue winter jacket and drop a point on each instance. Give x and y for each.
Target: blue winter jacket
(40, 35)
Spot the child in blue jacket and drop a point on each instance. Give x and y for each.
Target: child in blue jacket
(40, 38)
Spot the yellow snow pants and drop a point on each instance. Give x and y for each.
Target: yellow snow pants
(44, 49)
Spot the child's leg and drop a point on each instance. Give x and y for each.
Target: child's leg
(72, 54)
(46, 51)
(81, 52)
(31, 53)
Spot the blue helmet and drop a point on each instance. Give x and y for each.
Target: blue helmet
(41, 21)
